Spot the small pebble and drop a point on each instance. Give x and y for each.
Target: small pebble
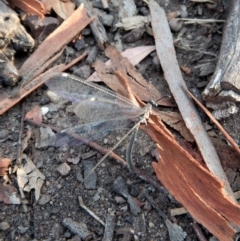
(22, 229)
(79, 44)
(83, 72)
(4, 133)
(133, 35)
(86, 31)
(107, 20)
(151, 225)
(44, 199)
(44, 100)
(75, 238)
(4, 226)
(52, 96)
(91, 181)
(69, 51)
(175, 24)
(78, 228)
(105, 141)
(67, 234)
(64, 169)
(44, 110)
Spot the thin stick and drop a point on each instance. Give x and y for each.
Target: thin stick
(198, 20)
(99, 148)
(82, 139)
(198, 232)
(81, 203)
(19, 151)
(209, 114)
(20, 135)
(74, 61)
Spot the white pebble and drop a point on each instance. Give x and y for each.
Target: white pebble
(44, 110)
(52, 96)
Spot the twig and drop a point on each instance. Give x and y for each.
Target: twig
(196, 50)
(103, 150)
(178, 211)
(83, 140)
(74, 61)
(81, 203)
(154, 205)
(200, 21)
(197, 230)
(18, 160)
(209, 114)
(20, 135)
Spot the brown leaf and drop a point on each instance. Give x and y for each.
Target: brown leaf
(134, 55)
(4, 163)
(63, 9)
(35, 114)
(9, 194)
(29, 6)
(175, 120)
(144, 90)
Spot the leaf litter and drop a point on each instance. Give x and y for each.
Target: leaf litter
(154, 132)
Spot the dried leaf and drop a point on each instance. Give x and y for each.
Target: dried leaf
(35, 114)
(29, 6)
(144, 90)
(4, 163)
(9, 194)
(132, 22)
(63, 9)
(29, 177)
(175, 120)
(134, 55)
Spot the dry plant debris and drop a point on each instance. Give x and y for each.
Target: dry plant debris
(203, 190)
(29, 6)
(29, 177)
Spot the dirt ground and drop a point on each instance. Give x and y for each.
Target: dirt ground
(103, 196)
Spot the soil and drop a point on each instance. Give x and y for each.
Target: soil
(59, 194)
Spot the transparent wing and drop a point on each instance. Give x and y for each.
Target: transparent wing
(99, 110)
(94, 102)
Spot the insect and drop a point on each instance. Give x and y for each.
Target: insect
(99, 110)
